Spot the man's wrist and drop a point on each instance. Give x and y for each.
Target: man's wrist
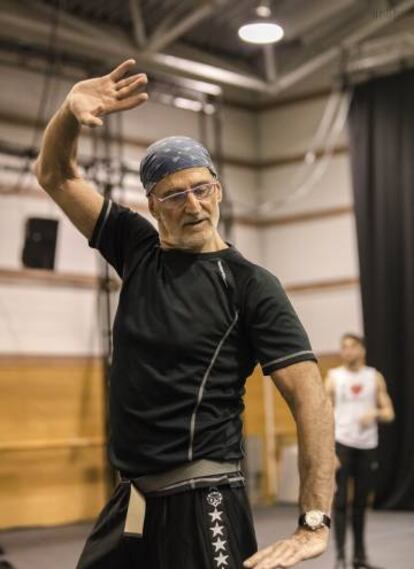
(314, 519)
(322, 531)
(67, 114)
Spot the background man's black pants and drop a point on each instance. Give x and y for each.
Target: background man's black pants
(360, 465)
(206, 528)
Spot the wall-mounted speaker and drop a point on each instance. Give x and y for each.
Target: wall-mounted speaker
(40, 243)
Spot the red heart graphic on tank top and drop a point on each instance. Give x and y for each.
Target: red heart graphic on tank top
(356, 388)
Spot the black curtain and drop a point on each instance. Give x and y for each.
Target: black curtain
(382, 151)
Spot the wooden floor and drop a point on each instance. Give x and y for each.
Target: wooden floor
(390, 540)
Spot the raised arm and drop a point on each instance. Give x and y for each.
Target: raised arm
(56, 166)
(302, 387)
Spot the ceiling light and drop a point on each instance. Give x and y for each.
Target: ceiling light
(262, 30)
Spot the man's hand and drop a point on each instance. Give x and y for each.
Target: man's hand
(368, 418)
(304, 544)
(88, 100)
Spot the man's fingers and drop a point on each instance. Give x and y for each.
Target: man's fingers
(123, 68)
(254, 559)
(128, 103)
(287, 553)
(289, 559)
(274, 560)
(131, 87)
(125, 82)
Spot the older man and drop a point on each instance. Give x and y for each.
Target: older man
(194, 318)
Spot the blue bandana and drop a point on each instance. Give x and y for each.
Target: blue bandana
(171, 155)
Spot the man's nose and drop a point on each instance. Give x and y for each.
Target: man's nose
(191, 203)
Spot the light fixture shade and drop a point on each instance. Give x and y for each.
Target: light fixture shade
(261, 32)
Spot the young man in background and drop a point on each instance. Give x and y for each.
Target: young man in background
(361, 401)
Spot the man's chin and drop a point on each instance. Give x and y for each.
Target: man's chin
(196, 240)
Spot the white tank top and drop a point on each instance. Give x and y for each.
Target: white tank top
(355, 394)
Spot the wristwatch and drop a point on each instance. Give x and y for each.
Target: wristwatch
(314, 519)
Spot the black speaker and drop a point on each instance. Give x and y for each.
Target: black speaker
(40, 243)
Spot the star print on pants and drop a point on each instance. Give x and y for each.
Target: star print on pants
(217, 530)
(221, 560)
(216, 515)
(219, 544)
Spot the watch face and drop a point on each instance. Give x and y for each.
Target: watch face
(314, 519)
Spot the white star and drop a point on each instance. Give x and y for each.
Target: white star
(221, 560)
(217, 530)
(219, 544)
(216, 515)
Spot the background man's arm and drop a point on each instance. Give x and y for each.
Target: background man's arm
(302, 387)
(384, 411)
(56, 167)
(385, 408)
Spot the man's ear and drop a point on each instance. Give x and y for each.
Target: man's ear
(219, 192)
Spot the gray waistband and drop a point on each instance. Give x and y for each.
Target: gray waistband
(193, 470)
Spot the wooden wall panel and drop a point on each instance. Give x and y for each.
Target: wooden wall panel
(254, 419)
(51, 440)
(327, 361)
(284, 429)
(52, 448)
(49, 399)
(51, 486)
(284, 423)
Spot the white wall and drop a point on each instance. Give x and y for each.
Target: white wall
(318, 250)
(302, 252)
(36, 319)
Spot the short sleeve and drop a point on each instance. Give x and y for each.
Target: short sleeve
(119, 233)
(275, 331)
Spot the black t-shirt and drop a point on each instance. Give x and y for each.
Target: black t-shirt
(189, 330)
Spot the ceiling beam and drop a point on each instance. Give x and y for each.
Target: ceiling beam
(111, 45)
(64, 17)
(208, 72)
(311, 15)
(397, 49)
(140, 35)
(186, 51)
(327, 56)
(163, 37)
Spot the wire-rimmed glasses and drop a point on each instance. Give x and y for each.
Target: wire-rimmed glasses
(177, 199)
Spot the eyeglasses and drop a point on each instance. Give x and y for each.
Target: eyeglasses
(178, 199)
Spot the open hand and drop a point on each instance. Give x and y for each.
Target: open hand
(303, 544)
(93, 98)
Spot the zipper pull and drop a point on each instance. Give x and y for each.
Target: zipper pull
(222, 273)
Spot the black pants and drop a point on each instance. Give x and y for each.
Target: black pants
(360, 465)
(206, 528)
